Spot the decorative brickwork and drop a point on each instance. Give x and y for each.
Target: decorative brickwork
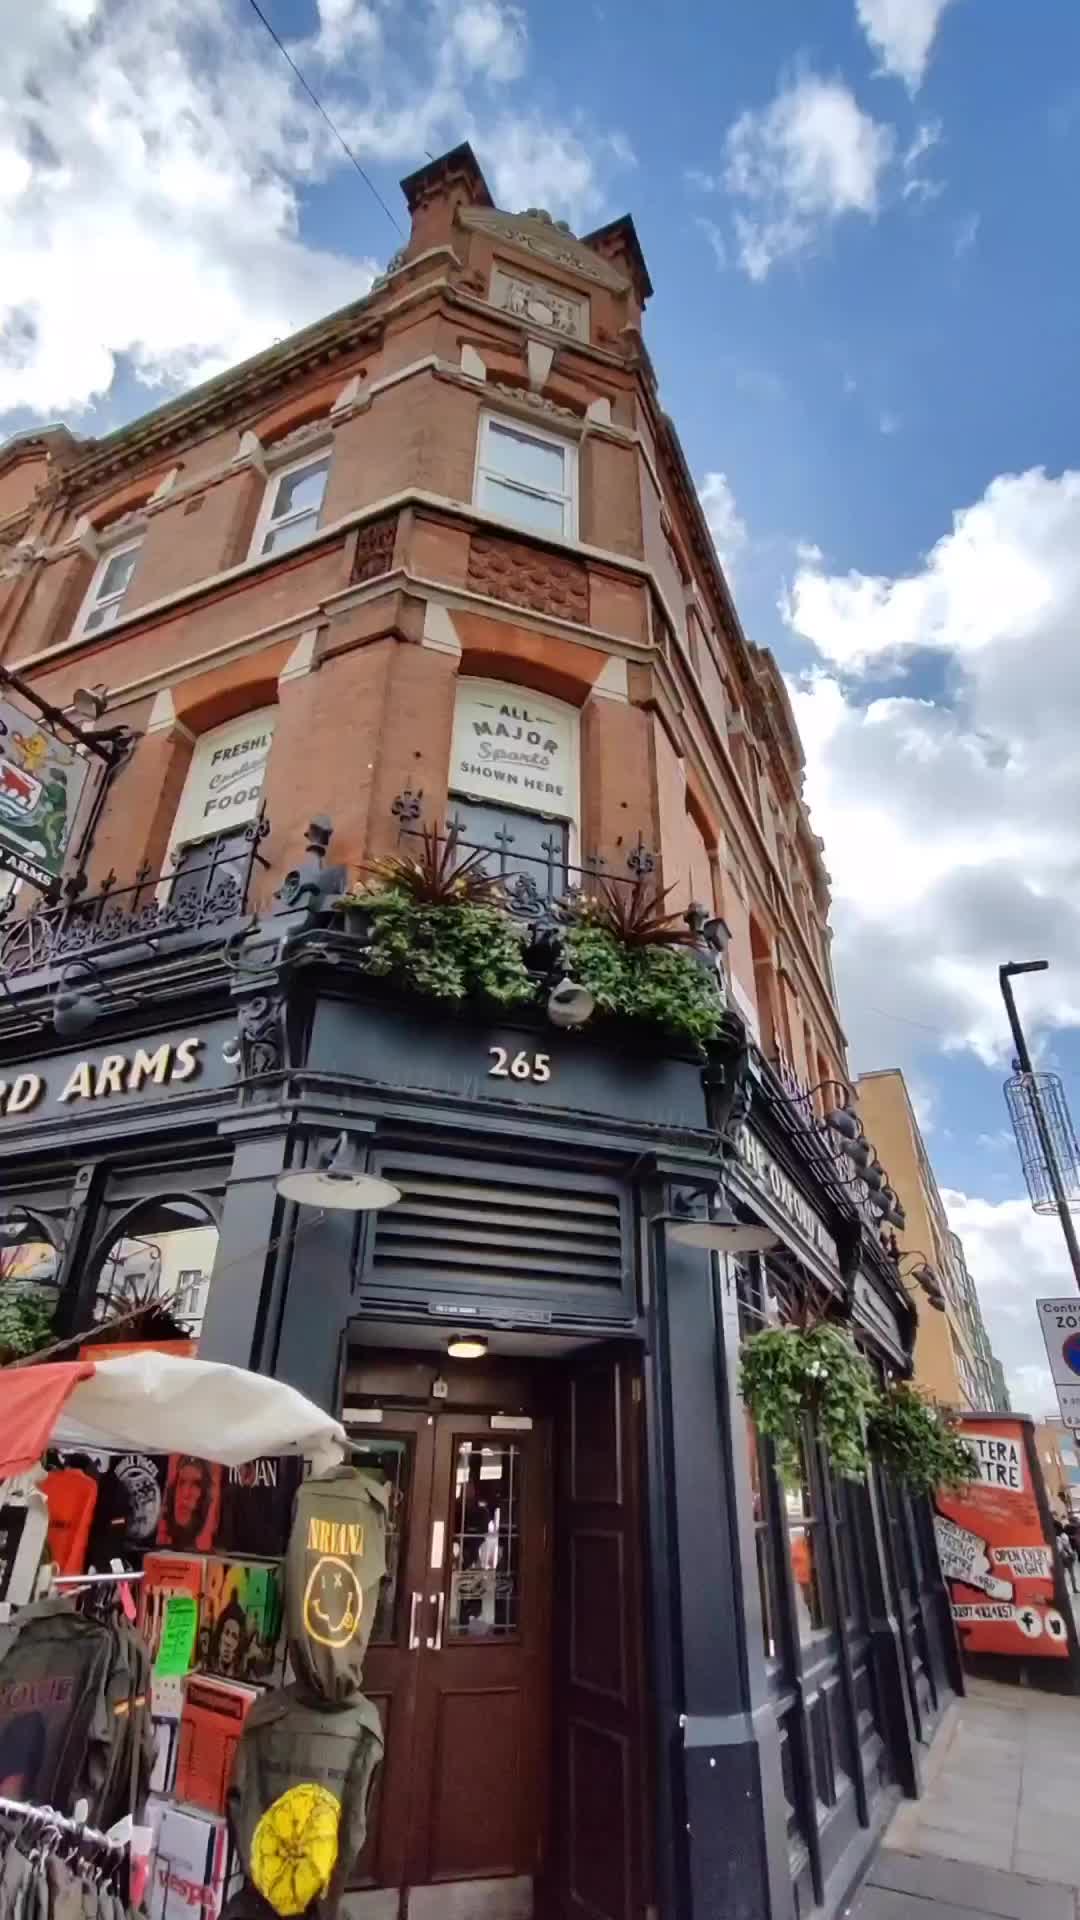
(375, 548)
(527, 577)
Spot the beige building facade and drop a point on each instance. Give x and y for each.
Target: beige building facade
(954, 1363)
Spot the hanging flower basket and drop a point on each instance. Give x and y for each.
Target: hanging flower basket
(917, 1444)
(788, 1375)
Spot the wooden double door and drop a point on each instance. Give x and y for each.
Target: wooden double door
(458, 1665)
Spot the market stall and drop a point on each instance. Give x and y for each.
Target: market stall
(168, 1619)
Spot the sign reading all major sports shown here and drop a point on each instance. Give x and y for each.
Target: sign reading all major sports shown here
(41, 784)
(513, 745)
(1060, 1323)
(995, 1556)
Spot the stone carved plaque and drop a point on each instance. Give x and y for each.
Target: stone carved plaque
(540, 305)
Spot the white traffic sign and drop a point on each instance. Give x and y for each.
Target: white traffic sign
(1060, 1323)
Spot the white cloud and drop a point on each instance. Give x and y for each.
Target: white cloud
(345, 27)
(902, 34)
(918, 185)
(965, 234)
(1015, 1258)
(799, 164)
(949, 823)
(888, 422)
(162, 186)
(532, 163)
(726, 524)
(490, 38)
(157, 160)
(714, 236)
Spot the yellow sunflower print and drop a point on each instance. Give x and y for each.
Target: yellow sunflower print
(295, 1848)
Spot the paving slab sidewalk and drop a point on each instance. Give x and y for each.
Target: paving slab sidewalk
(997, 1831)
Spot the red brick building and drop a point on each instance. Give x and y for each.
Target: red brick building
(349, 525)
(440, 557)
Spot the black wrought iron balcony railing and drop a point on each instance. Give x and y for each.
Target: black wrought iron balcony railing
(203, 885)
(528, 856)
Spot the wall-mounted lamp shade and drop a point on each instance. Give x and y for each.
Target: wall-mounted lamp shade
(570, 1005)
(859, 1152)
(466, 1346)
(721, 1232)
(90, 702)
(843, 1121)
(76, 1004)
(338, 1184)
(874, 1175)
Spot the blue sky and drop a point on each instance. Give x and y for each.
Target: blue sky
(859, 217)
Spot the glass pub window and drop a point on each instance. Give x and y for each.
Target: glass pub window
(528, 850)
(529, 477)
(292, 506)
(108, 587)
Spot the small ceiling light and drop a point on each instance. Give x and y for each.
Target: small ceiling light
(466, 1346)
(90, 702)
(570, 1005)
(338, 1183)
(720, 1232)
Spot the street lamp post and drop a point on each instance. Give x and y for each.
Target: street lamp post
(1038, 1110)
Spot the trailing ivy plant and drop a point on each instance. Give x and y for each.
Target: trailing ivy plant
(917, 1444)
(628, 952)
(789, 1375)
(438, 925)
(26, 1315)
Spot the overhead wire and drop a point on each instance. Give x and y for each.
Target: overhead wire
(317, 103)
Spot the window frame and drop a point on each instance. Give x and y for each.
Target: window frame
(265, 520)
(568, 496)
(92, 599)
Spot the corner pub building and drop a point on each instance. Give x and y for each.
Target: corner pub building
(439, 558)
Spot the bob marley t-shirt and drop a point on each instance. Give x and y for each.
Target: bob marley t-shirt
(336, 1559)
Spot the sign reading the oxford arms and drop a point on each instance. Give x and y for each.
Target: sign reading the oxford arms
(764, 1173)
(107, 1075)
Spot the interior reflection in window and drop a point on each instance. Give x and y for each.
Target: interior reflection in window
(809, 1607)
(485, 1574)
(164, 1252)
(389, 1459)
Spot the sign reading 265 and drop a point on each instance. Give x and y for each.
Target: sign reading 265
(523, 1066)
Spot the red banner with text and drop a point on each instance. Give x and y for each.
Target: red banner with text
(997, 1561)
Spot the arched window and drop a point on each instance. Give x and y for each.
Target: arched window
(514, 781)
(161, 1250)
(209, 844)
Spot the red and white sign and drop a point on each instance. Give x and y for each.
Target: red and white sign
(996, 1558)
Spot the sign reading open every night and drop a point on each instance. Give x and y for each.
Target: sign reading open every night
(1060, 1323)
(994, 1551)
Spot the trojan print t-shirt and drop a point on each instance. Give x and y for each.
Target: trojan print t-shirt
(337, 1556)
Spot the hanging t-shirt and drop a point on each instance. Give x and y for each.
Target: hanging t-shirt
(256, 1505)
(192, 1506)
(72, 1497)
(55, 1722)
(336, 1559)
(131, 1488)
(299, 1797)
